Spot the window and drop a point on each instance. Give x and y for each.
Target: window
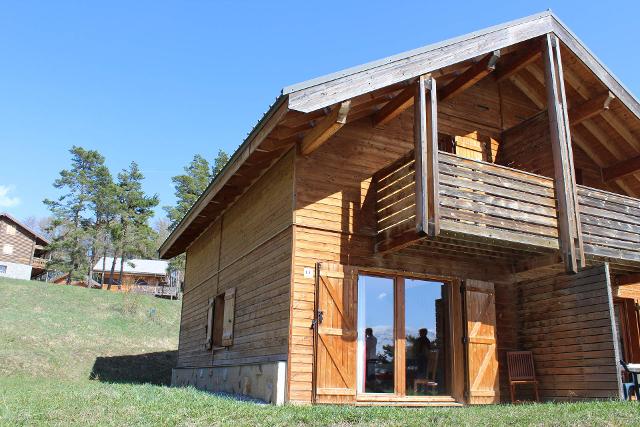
(220, 318)
(402, 336)
(7, 249)
(11, 230)
(3, 269)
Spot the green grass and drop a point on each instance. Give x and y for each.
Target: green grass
(53, 337)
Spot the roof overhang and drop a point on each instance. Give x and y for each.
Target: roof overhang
(324, 92)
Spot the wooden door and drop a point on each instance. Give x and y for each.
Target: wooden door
(336, 340)
(483, 384)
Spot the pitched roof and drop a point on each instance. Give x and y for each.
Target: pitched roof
(134, 266)
(316, 94)
(40, 239)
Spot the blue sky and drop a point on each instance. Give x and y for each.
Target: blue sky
(157, 81)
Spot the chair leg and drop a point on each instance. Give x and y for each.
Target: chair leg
(535, 387)
(511, 389)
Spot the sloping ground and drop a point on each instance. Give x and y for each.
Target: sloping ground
(54, 339)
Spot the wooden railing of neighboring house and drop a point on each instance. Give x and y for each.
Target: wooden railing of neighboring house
(39, 263)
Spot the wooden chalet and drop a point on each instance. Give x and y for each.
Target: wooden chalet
(23, 253)
(143, 276)
(387, 233)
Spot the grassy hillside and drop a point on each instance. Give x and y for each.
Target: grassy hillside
(74, 356)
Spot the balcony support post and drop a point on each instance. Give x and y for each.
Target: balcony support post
(571, 246)
(426, 155)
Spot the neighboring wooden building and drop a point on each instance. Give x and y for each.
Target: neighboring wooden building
(146, 276)
(22, 250)
(387, 233)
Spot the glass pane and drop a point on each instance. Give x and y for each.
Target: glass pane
(375, 332)
(425, 317)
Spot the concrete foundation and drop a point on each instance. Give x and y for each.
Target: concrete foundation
(15, 271)
(264, 381)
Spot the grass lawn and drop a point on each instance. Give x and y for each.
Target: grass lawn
(74, 356)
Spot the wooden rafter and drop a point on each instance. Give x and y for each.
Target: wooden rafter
(471, 76)
(518, 62)
(590, 108)
(393, 108)
(621, 169)
(530, 92)
(325, 128)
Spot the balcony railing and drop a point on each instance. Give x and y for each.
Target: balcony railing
(39, 263)
(497, 206)
(610, 224)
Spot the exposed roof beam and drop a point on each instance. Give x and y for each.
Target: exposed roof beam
(621, 169)
(517, 63)
(534, 95)
(325, 128)
(471, 76)
(590, 108)
(393, 108)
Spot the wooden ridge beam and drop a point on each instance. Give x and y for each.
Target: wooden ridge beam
(395, 107)
(621, 169)
(325, 128)
(590, 108)
(517, 63)
(471, 76)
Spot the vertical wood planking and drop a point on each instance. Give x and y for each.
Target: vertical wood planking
(568, 220)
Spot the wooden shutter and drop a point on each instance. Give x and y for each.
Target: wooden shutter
(483, 385)
(229, 316)
(208, 343)
(336, 340)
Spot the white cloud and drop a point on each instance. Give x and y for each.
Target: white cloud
(6, 201)
(383, 295)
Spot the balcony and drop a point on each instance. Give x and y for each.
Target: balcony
(490, 210)
(39, 263)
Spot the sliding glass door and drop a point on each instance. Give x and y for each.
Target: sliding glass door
(402, 329)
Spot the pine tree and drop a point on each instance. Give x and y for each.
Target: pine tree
(188, 188)
(71, 214)
(134, 236)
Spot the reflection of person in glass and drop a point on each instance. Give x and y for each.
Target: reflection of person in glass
(370, 349)
(421, 347)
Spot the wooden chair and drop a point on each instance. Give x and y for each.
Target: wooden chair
(521, 371)
(432, 368)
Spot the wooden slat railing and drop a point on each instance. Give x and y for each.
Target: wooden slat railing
(395, 201)
(497, 203)
(610, 224)
(39, 263)
(485, 201)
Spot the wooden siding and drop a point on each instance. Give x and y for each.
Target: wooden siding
(249, 249)
(566, 321)
(335, 222)
(23, 244)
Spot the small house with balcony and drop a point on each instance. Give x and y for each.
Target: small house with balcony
(23, 253)
(387, 234)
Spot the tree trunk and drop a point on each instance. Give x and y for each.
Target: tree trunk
(113, 268)
(104, 265)
(121, 268)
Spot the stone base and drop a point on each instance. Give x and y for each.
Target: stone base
(264, 381)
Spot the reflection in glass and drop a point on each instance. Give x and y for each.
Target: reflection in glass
(425, 343)
(375, 324)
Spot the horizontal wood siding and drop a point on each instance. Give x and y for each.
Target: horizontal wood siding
(21, 242)
(249, 249)
(610, 224)
(566, 322)
(335, 217)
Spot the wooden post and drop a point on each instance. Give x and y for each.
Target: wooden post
(571, 246)
(426, 153)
